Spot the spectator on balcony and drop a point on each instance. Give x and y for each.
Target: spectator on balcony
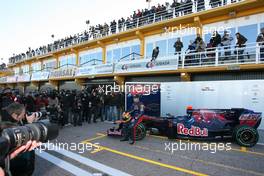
(215, 3)
(169, 10)
(191, 49)
(199, 44)
(216, 39)
(200, 5)
(187, 6)
(155, 54)
(240, 45)
(121, 23)
(177, 6)
(226, 42)
(178, 45)
(260, 40)
(113, 27)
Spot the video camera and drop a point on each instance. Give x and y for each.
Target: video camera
(14, 137)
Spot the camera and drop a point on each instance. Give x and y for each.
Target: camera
(14, 137)
(39, 115)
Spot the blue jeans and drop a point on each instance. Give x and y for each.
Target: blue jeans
(112, 113)
(106, 112)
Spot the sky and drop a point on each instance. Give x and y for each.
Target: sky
(30, 23)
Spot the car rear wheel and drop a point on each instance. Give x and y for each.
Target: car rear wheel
(246, 136)
(140, 132)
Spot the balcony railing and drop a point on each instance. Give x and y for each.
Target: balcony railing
(231, 55)
(169, 13)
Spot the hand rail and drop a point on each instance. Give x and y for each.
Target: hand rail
(133, 54)
(93, 60)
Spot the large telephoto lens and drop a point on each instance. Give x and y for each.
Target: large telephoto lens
(4, 148)
(40, 131)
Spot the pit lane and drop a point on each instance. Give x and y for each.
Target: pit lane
(149, 157)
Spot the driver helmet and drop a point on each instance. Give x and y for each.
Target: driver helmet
(189, 110)
(126, 116)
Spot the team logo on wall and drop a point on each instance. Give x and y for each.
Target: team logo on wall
(124, 67)
(207, 89)
(150, 65)
(193, 131)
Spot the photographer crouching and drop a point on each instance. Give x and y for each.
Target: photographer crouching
(20, 136)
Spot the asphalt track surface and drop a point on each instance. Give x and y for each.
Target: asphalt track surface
(152, 156)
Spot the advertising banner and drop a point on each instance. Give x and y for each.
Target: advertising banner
(143, 97)
(95, 70)
(38, 76)
(23, 78)
(3, 80)
(11, 79)
(62, 73)
(145, 65)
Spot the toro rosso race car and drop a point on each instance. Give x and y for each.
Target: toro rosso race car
(239, 124)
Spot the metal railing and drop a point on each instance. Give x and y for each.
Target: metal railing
(251, 53)
(131, 56)
(91, 62)
(150, 18)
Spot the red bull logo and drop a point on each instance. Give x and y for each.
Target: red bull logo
(193, 131)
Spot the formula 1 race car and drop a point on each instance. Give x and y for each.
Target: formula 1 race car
(236, 123)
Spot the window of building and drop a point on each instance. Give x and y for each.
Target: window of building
(171, 49)
(249, 31)
(149, 49)
(116, 54)
(261, 25)
(109, 56)
(125, 52)
(162, 44)
(136, 49)
(49, 64)
(186, 41)
(67, 61)
(91, 58)
(36, 67)
(25, 69)
(16, 70)
(122, 52)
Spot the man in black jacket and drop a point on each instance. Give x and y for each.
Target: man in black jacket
(76, 109)
(240, 45)
(178, 45)
(85, 106)
(66, 107)
(155, 53)
(216, 39)
(94, 103)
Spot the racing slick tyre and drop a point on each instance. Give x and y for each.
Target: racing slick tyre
(140, 132)
(246, 136)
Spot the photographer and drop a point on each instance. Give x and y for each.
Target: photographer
(23, 164)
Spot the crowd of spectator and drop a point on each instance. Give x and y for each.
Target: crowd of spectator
(199, 49)
(138, 18)
(70, 107)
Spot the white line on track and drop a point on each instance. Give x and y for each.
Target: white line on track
(88, 162)
(62, 164)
